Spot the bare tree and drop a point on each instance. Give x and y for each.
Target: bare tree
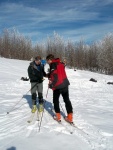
(105, 58)
(56, 45)
(95, 57)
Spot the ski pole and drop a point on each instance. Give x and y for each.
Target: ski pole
(19, 107)
(20, 100)
(41, 117)
(13, 108)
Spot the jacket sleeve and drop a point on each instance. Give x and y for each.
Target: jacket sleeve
(53, 75)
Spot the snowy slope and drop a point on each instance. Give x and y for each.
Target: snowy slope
(92, 104)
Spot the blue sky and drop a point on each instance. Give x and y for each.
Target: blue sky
(90, 20)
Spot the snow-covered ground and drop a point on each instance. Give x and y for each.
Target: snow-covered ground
(92, 104)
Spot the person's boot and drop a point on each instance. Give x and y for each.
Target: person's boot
(40, 107)
(58, 117)
(34, 108)
(69, 118)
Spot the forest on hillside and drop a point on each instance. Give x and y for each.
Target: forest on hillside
(97, 56)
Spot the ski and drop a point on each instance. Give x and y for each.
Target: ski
(60, 122)
(31, 117)
(51, 113)
(74, 126)
(40, 112)
(38, 116)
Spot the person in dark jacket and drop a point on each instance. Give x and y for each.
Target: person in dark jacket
(59, 83)
(36, 73)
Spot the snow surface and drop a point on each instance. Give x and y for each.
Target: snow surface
(92, 104)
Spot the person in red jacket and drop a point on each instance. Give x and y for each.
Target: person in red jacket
(59, 83)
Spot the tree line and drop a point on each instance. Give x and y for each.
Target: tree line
(96, 57)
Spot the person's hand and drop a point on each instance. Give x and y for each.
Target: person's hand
(50, 81)
(50, 84)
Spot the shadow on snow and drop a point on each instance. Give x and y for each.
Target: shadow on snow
(48, 106)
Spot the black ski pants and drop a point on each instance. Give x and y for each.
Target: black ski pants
(65, 94)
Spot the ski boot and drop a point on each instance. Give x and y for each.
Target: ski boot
(34, 108)
(69, 118)
(40, 107)
(57, 117)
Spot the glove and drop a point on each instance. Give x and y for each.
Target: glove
(50, 85)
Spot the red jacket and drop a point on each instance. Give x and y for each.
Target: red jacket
(58, 75)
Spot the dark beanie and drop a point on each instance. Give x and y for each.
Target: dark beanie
(50, 56)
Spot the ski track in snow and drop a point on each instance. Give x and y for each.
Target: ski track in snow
(89, 102)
